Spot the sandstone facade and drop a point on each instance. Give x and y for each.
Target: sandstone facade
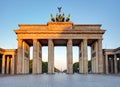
(16, 61)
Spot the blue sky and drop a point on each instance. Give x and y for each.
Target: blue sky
(105, 12)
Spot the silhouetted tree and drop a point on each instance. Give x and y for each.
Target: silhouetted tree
(44, 67)
(89, 65)
(76, 67)
(30, 66)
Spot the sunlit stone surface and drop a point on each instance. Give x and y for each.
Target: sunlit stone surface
(60, 80)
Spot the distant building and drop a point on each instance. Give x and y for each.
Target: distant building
(111, 60)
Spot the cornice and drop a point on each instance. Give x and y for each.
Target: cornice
(59, 32)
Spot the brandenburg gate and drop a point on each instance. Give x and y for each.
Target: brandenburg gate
(59, 32)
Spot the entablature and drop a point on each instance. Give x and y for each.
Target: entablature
(59, 26)
(60, 32)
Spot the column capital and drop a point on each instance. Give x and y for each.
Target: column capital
(100, 39)
(35, 40)
(115, 56)
(4, 55)
(13, 55)
(51, 40)
(69, 39)
(85, 39)
(20, 40)
(69, 42)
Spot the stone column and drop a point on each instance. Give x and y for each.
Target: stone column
(28, 59)
(3, 64)
(106, 63)
(111, 62)
(7, 68)
(96, 56)
(27, 67)
(92, 64)
(39, 58)
(93, 57)
(34, 69)
(23, 58)
(69, 57)
(85, 57)
(13, 64)
(100, 57)
(10, 68)
(115, 64)
(19, 58)
(50, 56)
(37, 61)
(81, 57)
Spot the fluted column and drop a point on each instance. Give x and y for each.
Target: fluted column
(34, 69)
(20, 55)
(92, 64)
(13, 64)
(28, 59)
(39, 58)
(7, 68)
(81, 57)
(3, 64)
(27, 70)
(115, 64)
(106, 63)
(69, 57)
(50, 56)
(100, 56)
(92, 57)
(23, 58)
(96, 60)
(85, 57)
(111, 62)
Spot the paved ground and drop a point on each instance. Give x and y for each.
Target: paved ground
(60, 80)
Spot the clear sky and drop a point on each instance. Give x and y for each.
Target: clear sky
(105, 12)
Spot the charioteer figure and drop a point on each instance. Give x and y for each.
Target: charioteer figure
(59, 17)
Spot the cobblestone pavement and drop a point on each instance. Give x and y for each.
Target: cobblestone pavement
(60, 80)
